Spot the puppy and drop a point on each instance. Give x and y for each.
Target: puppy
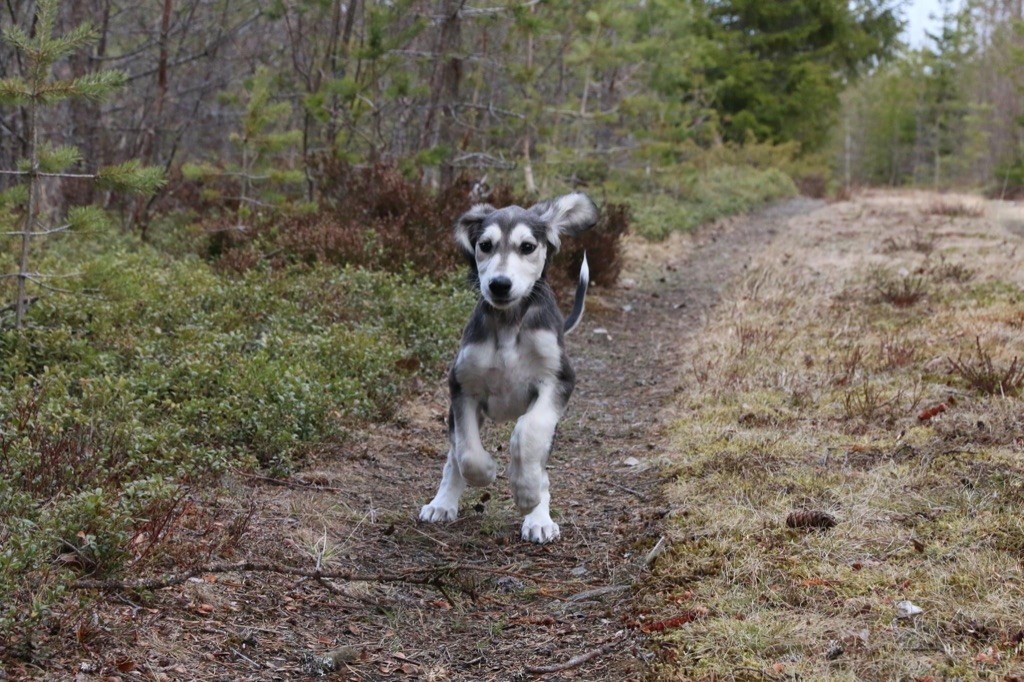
(512, 362)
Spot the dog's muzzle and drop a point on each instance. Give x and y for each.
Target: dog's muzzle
(500, 289)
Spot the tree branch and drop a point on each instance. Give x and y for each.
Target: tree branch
(575, 661)
(430, 575)
(40, 174)
(39, 233)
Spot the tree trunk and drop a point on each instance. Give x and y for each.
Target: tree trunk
(444, 87)
(21, 300)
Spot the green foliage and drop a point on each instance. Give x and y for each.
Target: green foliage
(939, 115)
(54, 159)
(35, 90)
(262, 142)
(157, 372)
(705, 196)
(774, 70)
(131, 177)
(41, 52)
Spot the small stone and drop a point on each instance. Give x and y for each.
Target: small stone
(579, 571)
(631, 461)
(907, 609)
(334, 660)
(510, 584)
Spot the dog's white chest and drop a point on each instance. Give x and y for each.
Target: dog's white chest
(504, 377)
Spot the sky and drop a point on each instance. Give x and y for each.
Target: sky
(916, 12)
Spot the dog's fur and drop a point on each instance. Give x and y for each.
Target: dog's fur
(512, 362)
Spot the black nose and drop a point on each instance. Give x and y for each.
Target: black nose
(500, 287)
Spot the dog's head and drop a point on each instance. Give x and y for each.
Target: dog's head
(508, 249)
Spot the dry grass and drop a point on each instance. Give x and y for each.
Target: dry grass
(956, 208)
(822, 414)
(900, 289)
(983, 375)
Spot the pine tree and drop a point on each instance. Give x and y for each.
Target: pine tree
(261, 139)
(35, 91)
(777, 68)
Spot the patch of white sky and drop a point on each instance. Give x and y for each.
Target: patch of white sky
(922, 16)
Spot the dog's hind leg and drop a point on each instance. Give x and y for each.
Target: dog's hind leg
(530, 448)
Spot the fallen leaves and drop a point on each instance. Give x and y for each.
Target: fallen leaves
(687, 616)
(931, 412)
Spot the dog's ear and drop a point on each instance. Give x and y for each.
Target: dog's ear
(569, 214)
(467, 227)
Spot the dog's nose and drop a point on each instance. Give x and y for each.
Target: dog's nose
(501, 286)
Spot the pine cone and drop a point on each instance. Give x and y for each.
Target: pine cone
(810, 519)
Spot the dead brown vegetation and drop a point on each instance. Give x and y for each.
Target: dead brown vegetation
(981, 373)
(860, 421)
(900, 289)
(378, 218)
(952, 208)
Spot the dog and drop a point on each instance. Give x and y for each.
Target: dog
(511, 363)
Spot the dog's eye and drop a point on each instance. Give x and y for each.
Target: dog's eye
(485, 247)
(527, 248)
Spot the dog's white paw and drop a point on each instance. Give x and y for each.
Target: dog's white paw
(436, 513)
(540, 530)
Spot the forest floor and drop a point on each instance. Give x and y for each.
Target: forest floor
(495, 608)
(674, 560)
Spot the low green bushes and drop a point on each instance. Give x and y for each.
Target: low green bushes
(707, 195)
(157, 373)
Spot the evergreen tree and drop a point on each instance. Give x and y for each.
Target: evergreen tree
(36, 90)
(776, 68)
(261, 141)
(945, 106)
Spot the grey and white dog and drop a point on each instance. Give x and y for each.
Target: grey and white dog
(512, 362)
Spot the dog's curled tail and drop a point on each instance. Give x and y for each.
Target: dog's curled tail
(581, 297)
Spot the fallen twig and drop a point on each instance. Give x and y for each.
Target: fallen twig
(421, 576)
(575, 661)
(428, 575)
(289, 483)
(598, 592)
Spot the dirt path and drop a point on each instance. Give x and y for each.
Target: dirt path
(354, 509)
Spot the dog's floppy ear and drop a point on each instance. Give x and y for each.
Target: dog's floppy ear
(467, 227)
(569, 214)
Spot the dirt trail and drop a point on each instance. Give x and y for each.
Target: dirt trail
(546, 605)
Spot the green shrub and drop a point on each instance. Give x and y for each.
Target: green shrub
(157, 371)
(707, 195)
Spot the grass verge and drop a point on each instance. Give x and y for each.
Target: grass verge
(703, 196)
(814, 390)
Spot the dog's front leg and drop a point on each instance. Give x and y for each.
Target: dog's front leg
(530, 447)
(445, 505)
(467, 462)
(476, 465)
